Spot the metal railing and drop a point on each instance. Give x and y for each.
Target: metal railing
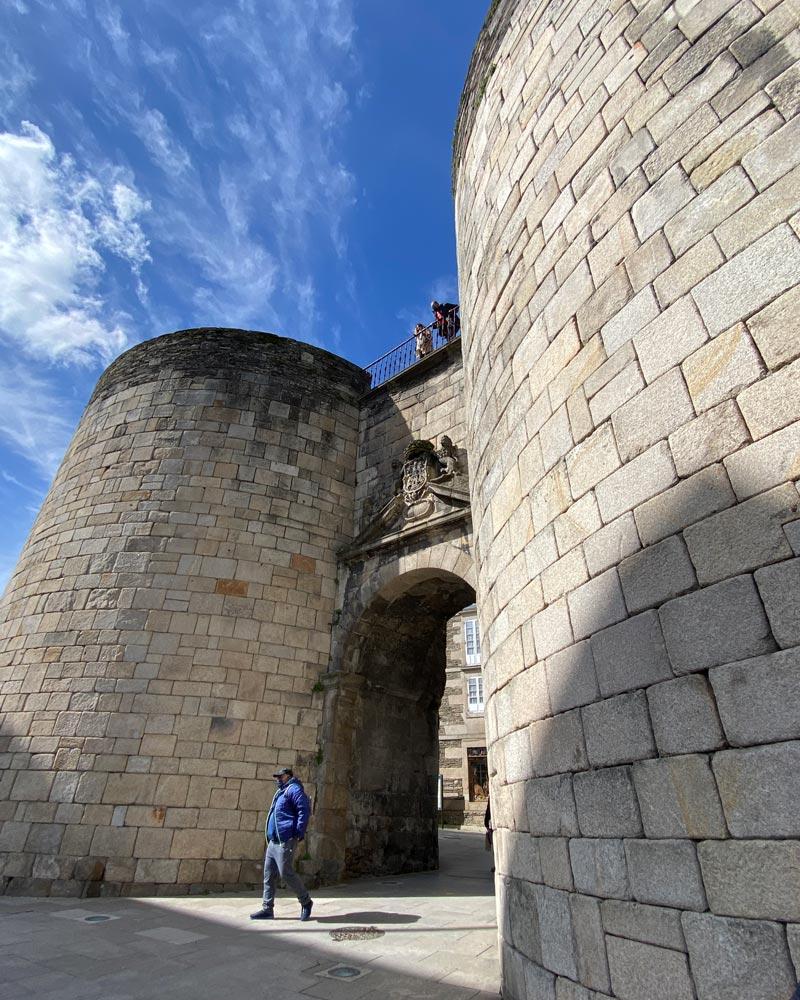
(407, 354)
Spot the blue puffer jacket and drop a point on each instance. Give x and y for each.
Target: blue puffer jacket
(289, 813)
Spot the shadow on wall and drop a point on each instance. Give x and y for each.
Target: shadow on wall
(644, 817)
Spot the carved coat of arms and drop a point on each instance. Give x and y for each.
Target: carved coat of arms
(431, 484)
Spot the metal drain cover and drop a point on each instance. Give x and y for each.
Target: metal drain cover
(95, 918)
(356, 933)
(344, 973)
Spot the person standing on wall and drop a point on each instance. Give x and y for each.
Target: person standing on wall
(285, 829)
(447, 321)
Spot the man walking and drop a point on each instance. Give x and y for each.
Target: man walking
(286, 827)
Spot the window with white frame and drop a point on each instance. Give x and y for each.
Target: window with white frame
(472, 642)
(475, 693)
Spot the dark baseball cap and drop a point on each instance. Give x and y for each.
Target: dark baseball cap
(284, 770)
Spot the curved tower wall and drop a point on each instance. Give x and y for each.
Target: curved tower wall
(163, 633)
(627, 190)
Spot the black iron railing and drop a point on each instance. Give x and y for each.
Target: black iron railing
(409, 353)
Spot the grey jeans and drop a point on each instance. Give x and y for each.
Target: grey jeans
(279, 860)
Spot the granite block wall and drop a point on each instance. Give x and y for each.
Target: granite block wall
(628, 209)
(165, 628)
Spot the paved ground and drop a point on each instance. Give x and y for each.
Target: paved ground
(438, 942)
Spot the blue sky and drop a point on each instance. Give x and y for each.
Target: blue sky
(280, 165)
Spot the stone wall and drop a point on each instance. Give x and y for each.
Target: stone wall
(162, 637)
(626, 180)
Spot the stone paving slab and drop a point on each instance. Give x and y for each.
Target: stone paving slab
(439, 941)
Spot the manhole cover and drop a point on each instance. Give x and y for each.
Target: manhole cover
(347, 973)
(356, 933)
(95, 919)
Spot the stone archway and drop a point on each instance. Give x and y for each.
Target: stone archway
(376, 809)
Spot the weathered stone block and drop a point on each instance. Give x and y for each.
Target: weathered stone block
(744, 537)
(652, 415)
(556, 933)
(521, 856)
(760, 790)
(611, 544)
(689, 270)
(767, 463)
(793, 934)
(775, 329)
(712, 436)
(749, 281)
(592, 461)
(599, 868)
(775, 156)
(645, 972)
(630, 655)
(684, 716)
(617, 730)
(660, 203)
(644, 477)
(649, 924)
(632, 317)
(557, 744)
(752, 878)
(670, 338)
(538, 982)
(607, 804)
(516, 751)
(590, 945)
(571, 679)
(523, 918)
(551, 807)
(758, 698)
(678, 798)
(779, 587)
(596, 604)
(580, 522)
(665, 873)
(554, 859)
(722, 368)
(715, 625)
(552, 630)
(656, 574)
(733, 959)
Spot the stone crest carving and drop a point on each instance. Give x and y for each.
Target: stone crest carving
(430, 485)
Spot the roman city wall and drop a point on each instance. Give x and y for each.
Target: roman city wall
(626, 185)
(162, 637)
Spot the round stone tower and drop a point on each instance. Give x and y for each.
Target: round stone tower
(626, 189)
(163, 633)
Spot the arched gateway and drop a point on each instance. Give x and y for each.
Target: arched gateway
(246, 559)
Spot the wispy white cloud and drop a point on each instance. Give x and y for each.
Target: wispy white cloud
(110, 17)
(166, 150)
(15, 79)
(55, 224)
(34, 422)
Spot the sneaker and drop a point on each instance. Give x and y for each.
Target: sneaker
(305, 910)
(263, 914)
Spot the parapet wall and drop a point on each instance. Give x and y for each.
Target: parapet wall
(627, 191)
(163, 634)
